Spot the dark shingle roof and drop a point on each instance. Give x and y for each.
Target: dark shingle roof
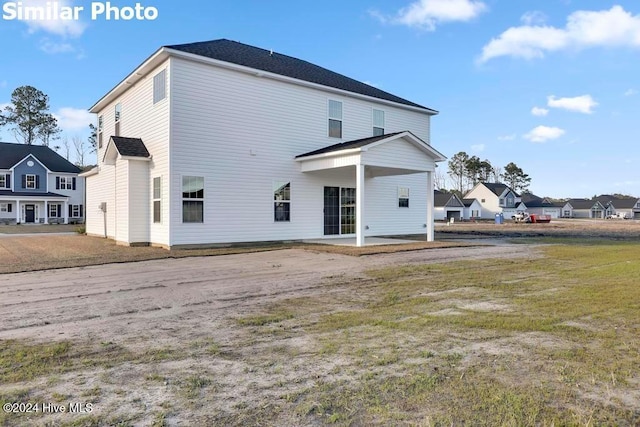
(11, 154)
(272, 62)
(468, 202)
(498, 188)
(617, 202)
(349, 145)
(27, 194)
(441, 199)
(582, 203)
(533, 201)
(132, 147)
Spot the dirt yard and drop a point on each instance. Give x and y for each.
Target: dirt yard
(507, 334)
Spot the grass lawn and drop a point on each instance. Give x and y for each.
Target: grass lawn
(522, 342)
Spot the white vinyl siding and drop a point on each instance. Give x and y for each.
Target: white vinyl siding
(275, 121)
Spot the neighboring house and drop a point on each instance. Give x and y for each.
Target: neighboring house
(38, 186)
(583, 208)
(539, 206)
(494, 198)
(220, 142)
(447, 206)
(628, 206)
(472, 209)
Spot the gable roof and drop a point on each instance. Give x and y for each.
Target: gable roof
(533, 201)
(11, 154)
(288, 66)
(498, 188)
(442, 199)
(617, 202)
(468, 202)
(381, 139)
(130, 147)
(583, 203)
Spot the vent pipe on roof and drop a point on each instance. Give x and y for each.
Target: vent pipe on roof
(271, 52)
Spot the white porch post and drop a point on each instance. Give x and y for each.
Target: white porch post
(18, 212)
(66, 212)
(46, 212)
(359, 204)
(430, 188)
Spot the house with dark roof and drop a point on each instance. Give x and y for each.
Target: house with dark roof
(448, 206)
(539, 206)
(219, 142)
(495, 198)
(472, 209)
(38, 186)
(629, 207)
(583, 208)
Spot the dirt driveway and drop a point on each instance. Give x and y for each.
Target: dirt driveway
(161, 300)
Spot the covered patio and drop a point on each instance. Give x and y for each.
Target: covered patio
(33, 208)
(400, 153)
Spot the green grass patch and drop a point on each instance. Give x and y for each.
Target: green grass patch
(265, 319)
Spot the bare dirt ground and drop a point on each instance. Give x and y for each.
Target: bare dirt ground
(180, 317)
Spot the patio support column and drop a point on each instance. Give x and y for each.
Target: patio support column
(359, 204)
(66, 212)
(46, 212)
(18, 212)
(430, 188)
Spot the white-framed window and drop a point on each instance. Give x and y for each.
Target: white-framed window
(5, 207)
(378, 122)
(30, 182)
(511, 201)
(4, 181)
(66, 183)
(475, 213)
(117, 116)
(76, 211)
(157, 199)
(100, 127)
(53, 211)
(403, 197)
(160, 86)
(282, 201)
(335, 119)
(192, 199)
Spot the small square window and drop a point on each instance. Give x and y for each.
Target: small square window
(30, 182)
(403, 197)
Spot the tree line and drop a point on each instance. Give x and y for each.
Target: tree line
(466, 171)
(31, 122)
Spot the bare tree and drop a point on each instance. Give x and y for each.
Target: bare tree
(81, 145)
(65, 144)
(440, 179)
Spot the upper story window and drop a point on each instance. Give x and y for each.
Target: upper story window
(378, 122)
(335, 119)
(65, 183)
(4, 181)
(160, 86)
(511, 201)
(100, 125)
(31, 182)
(117, 115)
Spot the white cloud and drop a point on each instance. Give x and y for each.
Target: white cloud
(478, 147)
(533, 18)
(543, 134)
(631, 92)
(427, 14)
(53, 48)
(60, 27)
(507, 137)
(73, 119)
(607, 28)
(538, 111)
(581, 104)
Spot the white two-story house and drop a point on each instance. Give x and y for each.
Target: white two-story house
(221, 142)
(38, 186)
(494, 198)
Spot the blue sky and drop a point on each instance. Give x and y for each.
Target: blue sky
(551, 85)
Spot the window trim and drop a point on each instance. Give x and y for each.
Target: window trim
(331, 118)
(157, 199)
(376, 125)
(68, 183)
(193, 199)
(277, 185)
(402, 198)
(3, 177)
(26, 181)
(53, 207)
(157, 97)
(75, 211)
(4, 207)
